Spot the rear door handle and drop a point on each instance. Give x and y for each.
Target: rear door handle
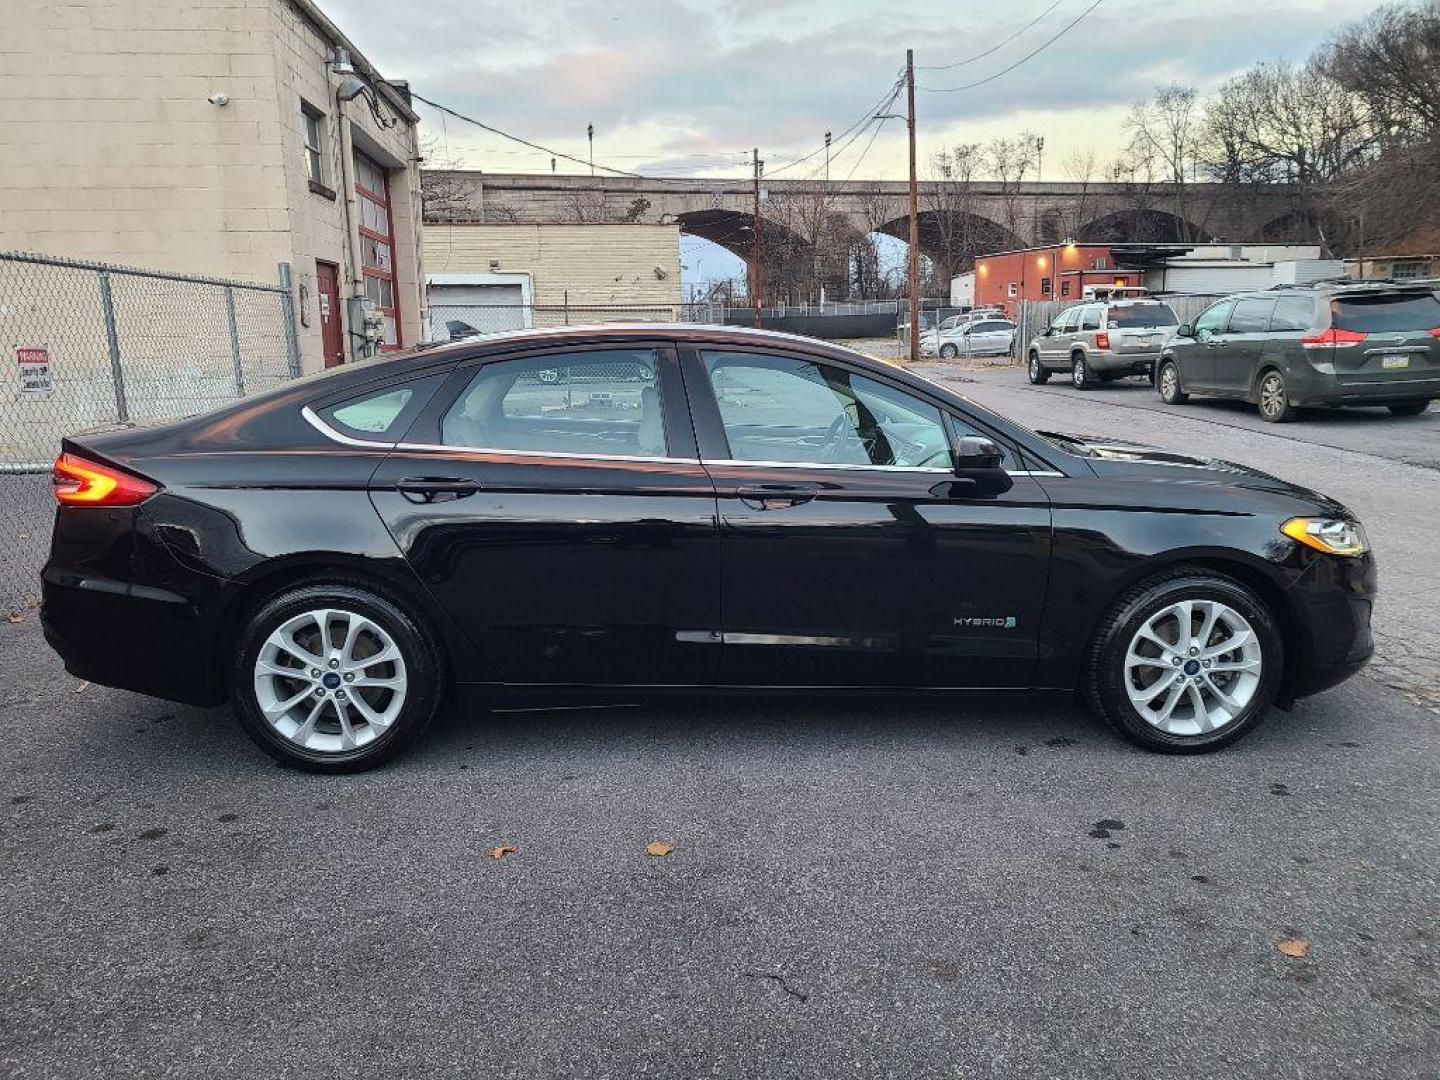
(432, 489)
(777, 496)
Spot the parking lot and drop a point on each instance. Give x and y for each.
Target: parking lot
(975, 888)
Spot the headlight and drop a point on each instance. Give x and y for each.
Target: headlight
(1330, 535)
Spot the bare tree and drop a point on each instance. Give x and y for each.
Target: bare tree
(1164, 139)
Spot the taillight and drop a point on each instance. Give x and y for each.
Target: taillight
(1102, 340)
(81, 482)
(1334, 336)
(1435, 331)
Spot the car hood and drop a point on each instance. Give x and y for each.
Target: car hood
(1110, 456)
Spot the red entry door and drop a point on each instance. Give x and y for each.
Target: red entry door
(327, 277)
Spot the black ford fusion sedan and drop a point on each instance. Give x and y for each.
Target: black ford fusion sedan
(623, 509)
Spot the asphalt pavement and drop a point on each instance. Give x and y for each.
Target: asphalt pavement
(976, 888)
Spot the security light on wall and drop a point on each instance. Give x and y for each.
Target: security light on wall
(350, 88)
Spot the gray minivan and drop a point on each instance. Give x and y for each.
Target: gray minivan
(1332, 344)
(1102, 340)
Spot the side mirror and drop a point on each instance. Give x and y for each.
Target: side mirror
(979, 460)
(1049, 332)
(1185, 330)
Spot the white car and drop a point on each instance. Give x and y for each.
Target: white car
(964, 335)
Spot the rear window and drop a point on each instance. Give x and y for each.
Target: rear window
(1387, 311)
(1142, 315)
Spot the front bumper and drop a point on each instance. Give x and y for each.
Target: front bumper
(1332, 602)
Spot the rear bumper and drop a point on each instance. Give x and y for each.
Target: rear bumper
(1133, 363)
(1328, 390)
(129, 636)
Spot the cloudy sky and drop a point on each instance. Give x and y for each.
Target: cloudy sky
(686, 87)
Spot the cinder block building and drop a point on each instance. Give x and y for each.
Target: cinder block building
(215, 137)
(507, 276)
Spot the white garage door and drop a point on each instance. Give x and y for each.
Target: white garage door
(485, 308)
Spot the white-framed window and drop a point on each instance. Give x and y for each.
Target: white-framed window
(313, 130)
(1013, 289)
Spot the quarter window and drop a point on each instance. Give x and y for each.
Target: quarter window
(605, 401)
(1090, 319)
(1293, 313)
(785, 409)
(385, 413)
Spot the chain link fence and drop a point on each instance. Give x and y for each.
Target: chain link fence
(92, 345)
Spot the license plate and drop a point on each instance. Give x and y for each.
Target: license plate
(1395, 360)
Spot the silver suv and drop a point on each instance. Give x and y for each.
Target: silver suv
(1102, 340)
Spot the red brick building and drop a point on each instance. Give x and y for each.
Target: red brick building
(1053, 272)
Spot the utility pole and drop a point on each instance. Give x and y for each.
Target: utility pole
(755, 240)
(827, 163)
(590, 135)
(914, 213)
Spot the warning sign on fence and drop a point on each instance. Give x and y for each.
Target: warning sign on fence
(35, 371)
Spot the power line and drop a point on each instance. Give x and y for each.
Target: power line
(532, 145)
(868, 114)
(994, 48)
(1024, 59)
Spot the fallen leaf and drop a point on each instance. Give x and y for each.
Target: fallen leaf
(14, 619)
(659, 847)
(80, 687)
(501, 852)
(1294, 946)
(22, 536)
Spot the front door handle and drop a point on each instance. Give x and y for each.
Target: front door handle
(433, 489)
(777, 496)
(1217, 344)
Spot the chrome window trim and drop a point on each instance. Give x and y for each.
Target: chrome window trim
(824, 465)
(339, 437)
(1034, 472)
(562, 454)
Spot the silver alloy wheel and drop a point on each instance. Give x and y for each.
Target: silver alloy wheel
(1077, 371)
(330, 680)
(1169, 382)
(1193, 667)
(1272, 394)
(1034, 368)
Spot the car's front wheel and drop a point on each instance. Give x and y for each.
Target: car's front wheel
(948, 352)
(1037, 371)
(335, 677)
(1274, 399)
(1186, 662)
(1168, 383)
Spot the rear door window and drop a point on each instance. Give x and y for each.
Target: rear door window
(589, 402)
(1385, 312)
(1251, 315)
(1292, 313)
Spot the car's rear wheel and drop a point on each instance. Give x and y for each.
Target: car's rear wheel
(1037, 371)
(1168, 383)
(335, 678)
(1080, 372)
(948, 351)
(1274, 400)
(1409, 408)
(1186, 662)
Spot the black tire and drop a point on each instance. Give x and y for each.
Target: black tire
(1080, 374)
(948, 351)
(1273, 398)
(1168, 384)
(424, 671)
(1105, 674)
(1038, 373)
(1409, 408)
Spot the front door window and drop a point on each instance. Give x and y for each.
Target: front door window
(785, 409)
